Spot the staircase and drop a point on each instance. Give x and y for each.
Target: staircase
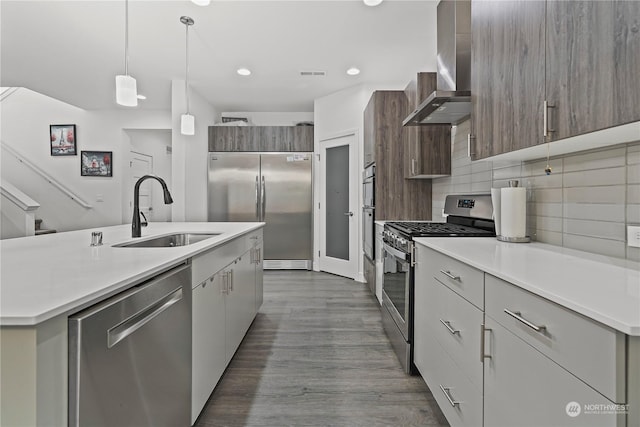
(40, 230)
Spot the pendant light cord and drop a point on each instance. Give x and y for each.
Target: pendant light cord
(126, 37)
(186, 79)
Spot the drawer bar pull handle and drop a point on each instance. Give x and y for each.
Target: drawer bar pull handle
(518, 316)
(445, 390)
(447, 325)
(449, 275)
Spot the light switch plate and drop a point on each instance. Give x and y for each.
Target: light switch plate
(633, 236)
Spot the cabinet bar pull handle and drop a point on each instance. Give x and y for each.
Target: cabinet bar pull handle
(445, 390)
(231, 280)
(447, 325)
(413, 166)
(545, 118)
(482, 344)
(449, 275)
(518, 316)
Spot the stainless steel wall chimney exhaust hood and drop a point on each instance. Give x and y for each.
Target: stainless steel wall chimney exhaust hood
(451, 102)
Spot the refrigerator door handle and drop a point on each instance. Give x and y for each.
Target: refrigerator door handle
(257, 199)
(263, 197)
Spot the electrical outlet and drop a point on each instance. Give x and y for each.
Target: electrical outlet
(633, 236)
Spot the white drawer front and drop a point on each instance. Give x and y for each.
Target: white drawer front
(207, 264)
(523, 387)
(461, 278)
(457, 328)
(589, 350)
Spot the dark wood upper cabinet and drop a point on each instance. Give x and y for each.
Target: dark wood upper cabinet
(396, 198)
(626, 33)
(580, 67)
(507, 75)
(580, 58)
(261, 138)
(428, 148)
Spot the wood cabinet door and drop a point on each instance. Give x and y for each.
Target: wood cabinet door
(581, 66)
(302, 138)
(369, 133)
(627, 60)
(222, 138)
(427, 151)
(507, 81)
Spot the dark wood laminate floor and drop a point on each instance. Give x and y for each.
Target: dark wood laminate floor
(316, 355)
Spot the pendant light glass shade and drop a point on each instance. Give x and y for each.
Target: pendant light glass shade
(126, 91)
(187, 121)
(126, 87)
(187, 124)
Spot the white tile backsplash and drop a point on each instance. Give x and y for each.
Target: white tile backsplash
(585, 203)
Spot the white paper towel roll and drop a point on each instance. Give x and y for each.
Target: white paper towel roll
(513, 212)
(495, 201)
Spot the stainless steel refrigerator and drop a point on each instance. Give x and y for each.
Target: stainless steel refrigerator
(271, 187)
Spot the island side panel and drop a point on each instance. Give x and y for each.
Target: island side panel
(34, 374)
(52, 367)
(18, 357)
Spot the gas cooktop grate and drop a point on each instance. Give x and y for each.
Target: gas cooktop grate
(418, 229)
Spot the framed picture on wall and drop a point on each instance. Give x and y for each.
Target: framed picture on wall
(96, 163)
(63, 140)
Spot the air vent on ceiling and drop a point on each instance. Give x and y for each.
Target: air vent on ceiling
(313, 73)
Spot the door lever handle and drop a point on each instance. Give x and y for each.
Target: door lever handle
(348, 213)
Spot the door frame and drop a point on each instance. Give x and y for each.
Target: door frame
(355, 196)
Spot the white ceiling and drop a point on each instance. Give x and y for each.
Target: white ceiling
(72, 50)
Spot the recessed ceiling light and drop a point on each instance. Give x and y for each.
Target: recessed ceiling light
(353, 71)
(203, 2)
(140, 96)
(244, 71)
(372, 2)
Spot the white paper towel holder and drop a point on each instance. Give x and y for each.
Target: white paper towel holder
(525, 239)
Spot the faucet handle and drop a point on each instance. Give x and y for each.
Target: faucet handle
(145, 222)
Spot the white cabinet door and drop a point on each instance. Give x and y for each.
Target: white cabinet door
(259, 271)
(240, 301)
(208, 342)
(522, 387)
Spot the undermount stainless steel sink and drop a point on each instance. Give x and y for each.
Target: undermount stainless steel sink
(168, 240)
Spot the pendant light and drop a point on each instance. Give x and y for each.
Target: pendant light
(126, 88)
(187, 121)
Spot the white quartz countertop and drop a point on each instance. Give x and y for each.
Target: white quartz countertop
(602, 288)
(45, 276)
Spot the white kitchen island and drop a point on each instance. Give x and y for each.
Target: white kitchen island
(44, 279)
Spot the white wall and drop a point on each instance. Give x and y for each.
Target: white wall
(257, 118)
(152, 142)
(189, 159)
(26, 116)
(334, 115)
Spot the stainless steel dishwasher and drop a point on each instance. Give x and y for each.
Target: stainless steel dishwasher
(130, 356)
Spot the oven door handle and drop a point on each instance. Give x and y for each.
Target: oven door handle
(396, 253)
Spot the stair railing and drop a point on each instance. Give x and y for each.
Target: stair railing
(51, 180)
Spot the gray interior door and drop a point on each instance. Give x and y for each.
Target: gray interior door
(234, 187)
(286, 206)
(337, 203)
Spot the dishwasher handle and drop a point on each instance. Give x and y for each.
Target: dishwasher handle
(128, 326)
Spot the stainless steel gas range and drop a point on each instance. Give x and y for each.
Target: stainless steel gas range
(467, 216)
